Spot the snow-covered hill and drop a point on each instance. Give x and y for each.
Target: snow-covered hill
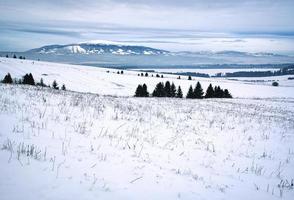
(107, 82)
(69, 145)
(98, 47)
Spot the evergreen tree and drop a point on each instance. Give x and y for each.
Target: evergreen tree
(161, 76)
(121, 72)
(157, 75)
(173, 90)
(63, 87)
(139, 91)
(167, 89)
(218, 92)
(190, 94)
(179, 93)
(198, 91)
(7, 56)
(189, 78)
(55, 85)
(145, 91)
(31, 79)
(28, 79)
(227, 94)
(159, 90)
(41, 83)
(7, 79)
(146, 74)
(14, 56)
(209, 92)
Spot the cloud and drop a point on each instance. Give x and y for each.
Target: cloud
(169, 21)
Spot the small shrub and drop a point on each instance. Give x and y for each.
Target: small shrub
(275, 83)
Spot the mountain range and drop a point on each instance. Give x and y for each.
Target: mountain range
(112, 54)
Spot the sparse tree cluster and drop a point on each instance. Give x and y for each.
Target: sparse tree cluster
(161, 90)
(217, 92)
(28, 79)
(168, 89)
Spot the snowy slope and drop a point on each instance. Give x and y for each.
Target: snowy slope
(97, 80)
(68, 145)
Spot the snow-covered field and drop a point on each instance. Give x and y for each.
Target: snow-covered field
(107, 144)
(97, 80)
(69, 145)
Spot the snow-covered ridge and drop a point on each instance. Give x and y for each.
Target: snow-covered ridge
(98, 47)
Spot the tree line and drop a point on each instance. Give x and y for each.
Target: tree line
(28, 79)
(168, 89)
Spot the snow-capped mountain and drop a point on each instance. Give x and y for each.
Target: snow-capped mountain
(98, 47)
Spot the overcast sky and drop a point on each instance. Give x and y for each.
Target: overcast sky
(177, 25)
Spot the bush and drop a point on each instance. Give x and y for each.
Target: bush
(275, 84)
(55, 85)
(63, 87)
(41, 83)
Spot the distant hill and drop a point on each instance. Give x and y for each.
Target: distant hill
(98, 48)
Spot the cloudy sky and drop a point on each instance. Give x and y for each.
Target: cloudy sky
(176, 25)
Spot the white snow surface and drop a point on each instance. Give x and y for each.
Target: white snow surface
(70, 145)
(96, 141)
(97, 80)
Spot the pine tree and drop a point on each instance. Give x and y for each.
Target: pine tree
(139, 91)
(7, 79)
(189, 78)
(28, 79)
(159, 90)
(198, 91)
(31, 79)
(227, 94)
(55, 85)
(145, 91)
(190, 94)
(173, 90)
(63, 87)
(42, 84)
(179, 93)
(7, 56)
(209, 92)
(218, 92)
(14, 56)
(146, 74)
(167, 89)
